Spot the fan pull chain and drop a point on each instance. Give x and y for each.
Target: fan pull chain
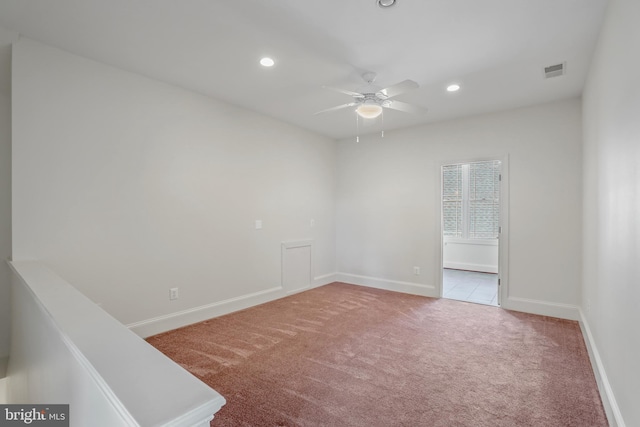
(382, 117)
(357, 129)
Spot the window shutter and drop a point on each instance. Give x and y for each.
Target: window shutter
(452, 200)
(471, 200)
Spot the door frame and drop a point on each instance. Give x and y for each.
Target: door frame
(503, 243)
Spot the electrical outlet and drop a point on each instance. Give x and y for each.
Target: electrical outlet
(416, 271)
(173, 294)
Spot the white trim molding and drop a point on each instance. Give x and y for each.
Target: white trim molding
(542, 308)
(157, 325)
(325, 279)
(484, 268)
(297, 243)
(50, 317)
(292, 244)
(389, 285)
(503, 244)
(611, 408)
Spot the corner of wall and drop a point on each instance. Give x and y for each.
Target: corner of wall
(609, 402)
(542, 308)
(389, 285)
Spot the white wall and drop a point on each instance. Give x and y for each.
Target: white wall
(470, 254)
(388, 201)
(6, 38)
(611, 286)
(5, 225)
(127, 187)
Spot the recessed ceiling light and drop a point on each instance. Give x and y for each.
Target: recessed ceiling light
(386, 3)
(453, 87)
(267, 62)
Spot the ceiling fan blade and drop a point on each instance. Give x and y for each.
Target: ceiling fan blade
(339, 107)
(346, 92)
(399, 88)
(407, 108)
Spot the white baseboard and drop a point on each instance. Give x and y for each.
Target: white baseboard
(157, 325)
(543, 308)
(484, 268)
(609, 402)
(389, 285)
(324, 280)
(315, 282)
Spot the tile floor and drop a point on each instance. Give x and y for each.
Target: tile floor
(481, 288)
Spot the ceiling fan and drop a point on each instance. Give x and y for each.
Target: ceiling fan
(369, 103)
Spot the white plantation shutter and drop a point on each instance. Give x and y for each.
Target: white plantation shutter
(471, 200)
(484, 198)
(452, 200)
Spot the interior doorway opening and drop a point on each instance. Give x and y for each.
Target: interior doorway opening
(471, 231)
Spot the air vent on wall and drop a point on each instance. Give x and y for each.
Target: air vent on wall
(554, 70)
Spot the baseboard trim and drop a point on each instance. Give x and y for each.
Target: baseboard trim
(157, 325)
(389, 285)
(483, 268)
(325, 279)
(609, 402)
(543, 308)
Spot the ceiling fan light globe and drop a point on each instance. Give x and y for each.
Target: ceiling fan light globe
(369, 111)
(386, 3)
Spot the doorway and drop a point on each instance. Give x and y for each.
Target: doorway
(471, 209)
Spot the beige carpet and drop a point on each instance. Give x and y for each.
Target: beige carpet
(344, 355)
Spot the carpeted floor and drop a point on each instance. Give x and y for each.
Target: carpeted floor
(344, 355)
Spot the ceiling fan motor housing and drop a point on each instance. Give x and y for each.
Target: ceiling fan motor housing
(373, 98)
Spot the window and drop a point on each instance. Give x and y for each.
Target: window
(471, 200)
(452, 200)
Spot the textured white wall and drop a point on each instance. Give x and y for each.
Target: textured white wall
(611, 290)
(127, 187)
(388, 198)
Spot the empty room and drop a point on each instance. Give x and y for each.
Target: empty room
(362, 213)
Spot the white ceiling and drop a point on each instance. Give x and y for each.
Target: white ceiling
(496, 49)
